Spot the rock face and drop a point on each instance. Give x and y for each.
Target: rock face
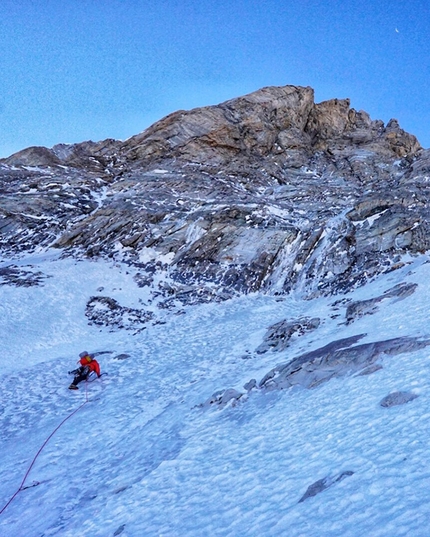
(267, 192)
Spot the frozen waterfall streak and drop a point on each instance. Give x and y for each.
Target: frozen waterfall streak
(21, 487)
(332, 233)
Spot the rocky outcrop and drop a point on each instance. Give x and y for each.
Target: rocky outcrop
(20, 277)
(397, 398)
(337, 359)
(222, 398)
(281, 122)
(359, 308)
(323, 484)
(106, 311)
(267, 192)
(88, 156)
(257, 125)
(278, 336)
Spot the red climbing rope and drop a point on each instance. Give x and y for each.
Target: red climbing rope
(21, 487)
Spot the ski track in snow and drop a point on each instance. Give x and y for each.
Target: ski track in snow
(142, 459)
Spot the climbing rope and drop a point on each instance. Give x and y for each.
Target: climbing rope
(21, 487)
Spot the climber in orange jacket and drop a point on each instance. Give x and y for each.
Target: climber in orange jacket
(88, 365)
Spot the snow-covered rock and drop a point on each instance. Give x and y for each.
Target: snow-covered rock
(178, 258)
(267, 192)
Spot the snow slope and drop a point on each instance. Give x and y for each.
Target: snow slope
(141, 458)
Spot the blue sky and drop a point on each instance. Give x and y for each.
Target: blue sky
(74, 70)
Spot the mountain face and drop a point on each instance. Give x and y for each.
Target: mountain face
(266, 192)
(270, 196)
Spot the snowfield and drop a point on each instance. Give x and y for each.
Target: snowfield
(141, 457)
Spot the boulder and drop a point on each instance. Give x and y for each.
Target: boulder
(397, 398)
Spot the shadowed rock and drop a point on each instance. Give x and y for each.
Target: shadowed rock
(323, 484)
(369, 370)
(397, 398)
(13, 275)
(122, 356)
(222, 397)
(278, 335)
(119, 530)
(248, 386)
(359, 308)
(337, 359)
(106, 311)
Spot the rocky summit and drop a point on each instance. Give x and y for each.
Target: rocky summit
(267, 192)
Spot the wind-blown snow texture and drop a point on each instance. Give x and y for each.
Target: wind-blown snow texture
(142, 458)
